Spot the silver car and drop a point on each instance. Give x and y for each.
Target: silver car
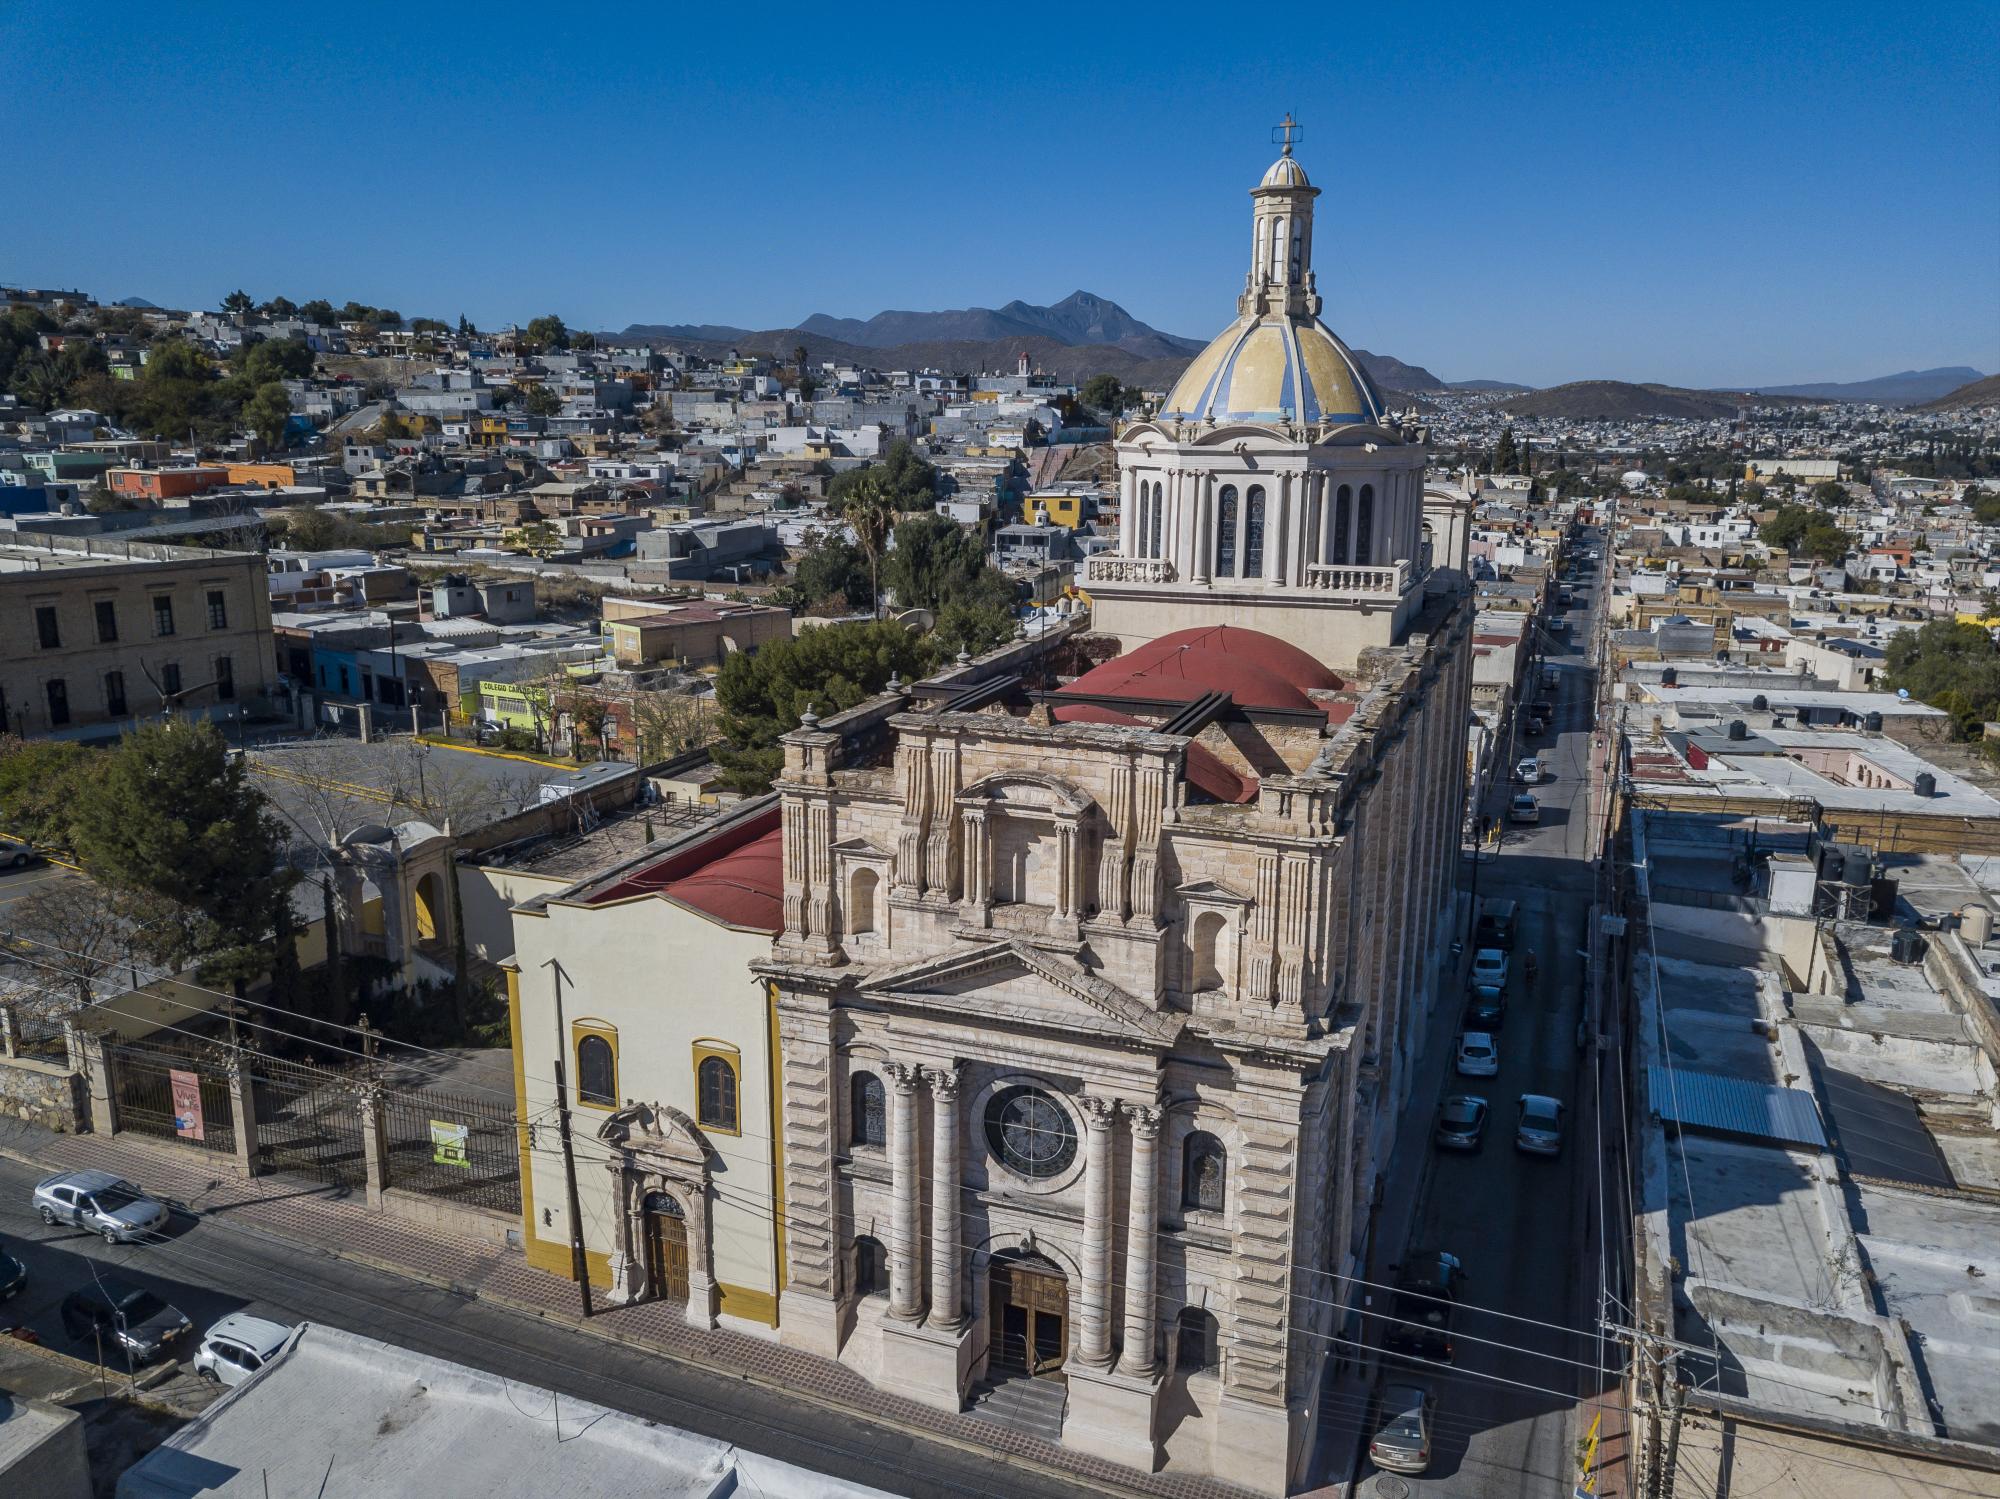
(1540, 1130)
(99, 1203)
(1403, 1442)
(237, 1347)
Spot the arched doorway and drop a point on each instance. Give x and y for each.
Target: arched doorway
(666, 1247)
(1028, 1303)
(430, 907)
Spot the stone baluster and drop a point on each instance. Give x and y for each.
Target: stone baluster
(1099, 1116)
(1141, 1241)
(905, 1287)
(947, 1298)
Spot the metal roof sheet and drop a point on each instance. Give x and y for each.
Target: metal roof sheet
(1733, 1106)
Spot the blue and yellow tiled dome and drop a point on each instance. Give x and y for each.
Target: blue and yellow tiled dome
(1275, 369)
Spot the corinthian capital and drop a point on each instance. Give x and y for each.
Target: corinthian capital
(945, 1080)
(903, 1076)
(1145, 1119)
(1098, 1113)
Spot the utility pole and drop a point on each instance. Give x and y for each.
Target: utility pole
(579, 1266)
(1676, 1403)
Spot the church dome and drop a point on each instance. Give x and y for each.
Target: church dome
(1275, 368)
(1285, 172)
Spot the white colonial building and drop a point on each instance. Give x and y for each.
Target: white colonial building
(1104, 957)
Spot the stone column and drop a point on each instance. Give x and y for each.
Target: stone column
(1094, 1345)
(374, 1142)
(1141, 1241)
(243, 1121)
(977, 885)
(905, 1290)
(1204, 528)
(947, 1297)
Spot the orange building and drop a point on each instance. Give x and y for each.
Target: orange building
(263, 475)
(163, 483)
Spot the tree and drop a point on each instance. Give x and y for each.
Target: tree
(1952, 666)
(465, 328)
(42, 783)
(1832, 494)
(937, 562)
(1506, 455)
(188, 849)
(669, 723)
(268, 414)
(905, 477)
(238, 303)
(280, 307)
(71, 931)
(1103, 393)
(866, 508)
(545, 333)
(318, 311)
(831, 668)
(539, 400)
(1805, 531)
(583, 340)
(830, 576)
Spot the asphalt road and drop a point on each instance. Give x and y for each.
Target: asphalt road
(1503, 1406)
(212, 1266)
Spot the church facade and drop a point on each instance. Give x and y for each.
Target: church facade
(1104, 957)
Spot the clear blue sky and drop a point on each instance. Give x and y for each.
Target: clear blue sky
(1704, 195)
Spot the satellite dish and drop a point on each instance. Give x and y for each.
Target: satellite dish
(1902, 694)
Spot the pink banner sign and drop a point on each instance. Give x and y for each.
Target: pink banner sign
(187, 1104)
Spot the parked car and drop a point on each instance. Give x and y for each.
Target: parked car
(14, 854)
(1524, 808)
(1421, 1309)
(1461, 1122)
(100, 1203)
(1548, 679)
(1402, 1443)
(1529, 771)
(1485, 1008)
(1478, 1055)
(1540, 1129)
(123, 1316)
(13, 1275)
(1489, 967)
(237, 1347)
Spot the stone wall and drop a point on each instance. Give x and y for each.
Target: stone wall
(43, 1093)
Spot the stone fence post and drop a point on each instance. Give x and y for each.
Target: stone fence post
(88, 1057)
(243, 1114)
(374, 1140)
(6, 1030)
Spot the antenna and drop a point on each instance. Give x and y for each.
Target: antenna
(1287, 132)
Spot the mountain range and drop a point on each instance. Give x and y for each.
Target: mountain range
(1974, 394)
(1908, 388)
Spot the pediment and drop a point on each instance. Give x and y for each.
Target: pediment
(1212, 891)
(1011, 983)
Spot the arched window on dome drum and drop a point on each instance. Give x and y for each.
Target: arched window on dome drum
(1139, 524)
(1159, 519)
(1364, 525)
(1253, 533)
(1203, 1167)
(1342, 506)
(1225, 532)
(1315, 517)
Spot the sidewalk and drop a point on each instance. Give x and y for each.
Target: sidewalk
(344, 1227)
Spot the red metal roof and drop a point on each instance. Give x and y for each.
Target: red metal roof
(1255, 669)
(736, 877)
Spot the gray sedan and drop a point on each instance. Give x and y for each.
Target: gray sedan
(98, 1202)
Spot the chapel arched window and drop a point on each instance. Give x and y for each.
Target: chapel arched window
(1225, 532)
(1364, 525)
(1343, 507)
(1253, 533)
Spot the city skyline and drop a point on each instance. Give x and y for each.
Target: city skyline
(1570, 198)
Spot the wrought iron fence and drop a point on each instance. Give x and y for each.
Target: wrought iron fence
(172, 1091)
(452, 1145)
(308, 1121)
(39, 1036)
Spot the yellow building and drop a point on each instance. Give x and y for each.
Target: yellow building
(1055, 508)
(635, 979)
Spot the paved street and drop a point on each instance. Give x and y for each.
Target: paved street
(1518, 1222)
(217, 1264)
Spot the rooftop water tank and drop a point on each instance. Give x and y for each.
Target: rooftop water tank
(1738, 729)
(1669, 677)
(1907, 946)
(1872, 723)
(1926, 784)
(1760, 702)
(1976, 922)
(1854, 870)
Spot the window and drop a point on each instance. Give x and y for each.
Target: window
(1253, 533)
(1205, 942)
(715, 1085)
(596, 1071)
(1030, 1132)
(871, 1267)
(114, 694)
(225, 678)
(163, 615)
(1159, 517)
(1341, 505)
(1194, 1340)
(58, 703)
(170, 679)
(1225, 532)
(107, 621)
(47, 630)
(867, 1105)
(218, 610)
(1203, 1166)
(1364, 525)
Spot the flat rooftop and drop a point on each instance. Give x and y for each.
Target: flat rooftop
(620, 835)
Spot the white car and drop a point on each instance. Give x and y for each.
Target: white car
(1540, 1129)
(1489, 968)
(1529, 771)
(1478, 1055)
(237, 1347)
(1524, 808)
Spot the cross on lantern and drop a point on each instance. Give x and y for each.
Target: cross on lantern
(1287, 131)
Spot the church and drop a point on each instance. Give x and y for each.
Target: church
(1103, 957)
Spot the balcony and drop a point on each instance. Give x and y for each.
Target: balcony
(1359, 582)
(1129, 570)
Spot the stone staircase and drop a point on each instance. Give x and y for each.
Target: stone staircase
(1033, 1407)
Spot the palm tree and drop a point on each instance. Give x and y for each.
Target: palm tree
(867, 511)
